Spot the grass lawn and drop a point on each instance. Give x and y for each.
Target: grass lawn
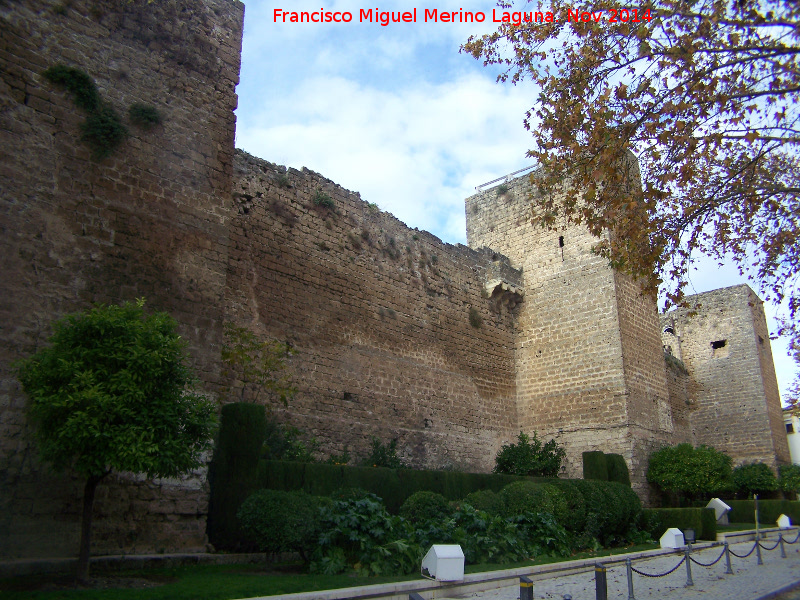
(224, 582)
(739, 527)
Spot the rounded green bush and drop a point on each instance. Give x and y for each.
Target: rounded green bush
(423, 506)
(528, 496)
(611, 508)
(485, 500)
(279, 521)
(754, 478)
(576, 505)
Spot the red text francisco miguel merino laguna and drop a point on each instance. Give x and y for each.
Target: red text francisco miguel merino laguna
(434, 15)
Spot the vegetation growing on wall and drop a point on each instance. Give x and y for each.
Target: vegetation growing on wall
(103, 129)
(144, 115)
(255, 366)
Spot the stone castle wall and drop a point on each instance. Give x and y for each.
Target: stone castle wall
(379, 317)
(724, 343)
(151, 221)
(448, 349)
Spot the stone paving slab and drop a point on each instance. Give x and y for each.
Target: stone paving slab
(750, 581)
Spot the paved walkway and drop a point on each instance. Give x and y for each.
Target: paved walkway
(750, 581)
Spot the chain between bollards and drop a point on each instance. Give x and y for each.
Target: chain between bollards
(525, 588)
(728, 570)
(629, 568)
(688, 551)
(600, 584)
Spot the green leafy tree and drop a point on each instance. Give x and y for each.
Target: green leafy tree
(530, 457)
(789, 478)
(754, 478)
(705, 94)
(688, 470)
(256, 366)
(112, 392)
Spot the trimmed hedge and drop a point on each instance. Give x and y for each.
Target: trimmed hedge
(595, 466)
(702, 520)
(742, 511)
(618, 469)
(232, 471)
(605, 467)
(393, 486)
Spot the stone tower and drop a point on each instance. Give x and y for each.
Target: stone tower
(589, 362)
(723, 340)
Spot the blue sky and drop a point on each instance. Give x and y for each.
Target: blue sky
(395, 113)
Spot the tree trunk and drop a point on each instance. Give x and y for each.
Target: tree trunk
(86, 526)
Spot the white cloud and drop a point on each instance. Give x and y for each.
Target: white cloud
(416, 152)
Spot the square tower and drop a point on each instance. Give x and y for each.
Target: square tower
(590, 367)
(724, 343)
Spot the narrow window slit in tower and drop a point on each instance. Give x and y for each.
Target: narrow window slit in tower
(719, 348)
(561, 245)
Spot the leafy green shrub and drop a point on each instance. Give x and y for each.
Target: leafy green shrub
(595, 465)
(576, 505)
(79, 84)
(545, 536)
(475, 318)
(323, 200)
(103, 129)
(530, 457)
(383, 455)
(754, 478)
(611, 509)
(360, 534)
(485, 500)
(284, 442)
(425, 506)
(144, 115)
(280, 521)
(527, 496)
(692, 471)
(789, 478)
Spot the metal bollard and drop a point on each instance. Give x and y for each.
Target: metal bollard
(629, 568)
(525, 588)
(783, 550)
(728, 570)
(688, 566)
(600, 584)
(758, 552)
